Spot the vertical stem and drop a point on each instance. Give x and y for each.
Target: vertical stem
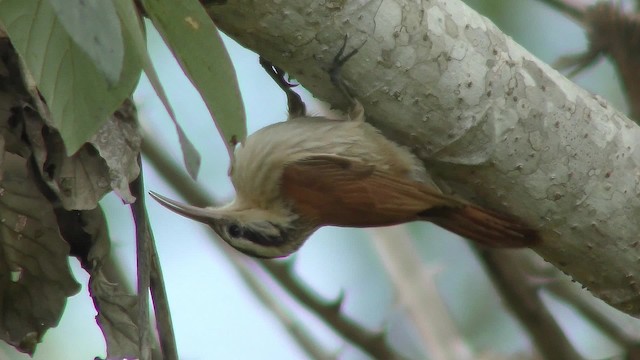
(150, 279)
(143, 270)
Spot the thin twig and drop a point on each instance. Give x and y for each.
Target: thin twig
(568, 293)
(521, 297)
(161, 308)
(150, 278)
(558, 284)
(293, 327)
(373, 343)
(143, 270)
(574, 9)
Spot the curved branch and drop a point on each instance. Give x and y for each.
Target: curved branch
(574, 9)
(491, 121)
(522, 298)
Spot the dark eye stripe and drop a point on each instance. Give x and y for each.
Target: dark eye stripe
(262, 239)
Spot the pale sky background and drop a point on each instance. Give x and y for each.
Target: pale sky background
(214, 314)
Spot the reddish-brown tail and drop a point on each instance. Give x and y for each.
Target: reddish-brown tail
(483, 226)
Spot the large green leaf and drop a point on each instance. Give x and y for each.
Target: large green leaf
(94, 27)
(196, 44)
(79, 95)
(132, 26)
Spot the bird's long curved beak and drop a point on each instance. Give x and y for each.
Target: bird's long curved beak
(192, 212)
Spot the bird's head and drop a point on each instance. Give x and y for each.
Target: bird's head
(254, 232)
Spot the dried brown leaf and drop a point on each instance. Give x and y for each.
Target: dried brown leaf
(35, 279)
(108, 163)
(117, 310)
(118, 142)
(116, 313)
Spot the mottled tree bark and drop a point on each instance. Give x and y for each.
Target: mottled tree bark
(492, 123)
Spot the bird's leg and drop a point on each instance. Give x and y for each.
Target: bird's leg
(356, 111)
(296, 106)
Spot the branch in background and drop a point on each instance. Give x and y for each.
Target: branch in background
(521, 297)
(416, 287)
(161, 308)
(295, 329)
(373, 343)
(611, 32)
(574, 9)
(150, 278)
(565, 291)
(616, 33)
(559, 285)
(369, 342)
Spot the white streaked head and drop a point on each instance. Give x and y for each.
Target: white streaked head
(252, 231)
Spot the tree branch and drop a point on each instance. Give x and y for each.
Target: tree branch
(522, 298)
(143, 256)
(295, 329)
(569, 294)
(611, 32)
(617, 326)
(373, 343)
(491, 122)
(574, 9)
(152, 280)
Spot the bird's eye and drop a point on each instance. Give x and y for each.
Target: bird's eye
(234, 231)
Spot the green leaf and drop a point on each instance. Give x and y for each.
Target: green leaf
(190, 155)
(127, 12)
(79, 96)
(196, 44)
(94, 26)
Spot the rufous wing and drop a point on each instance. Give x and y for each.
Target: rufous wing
(339, 191)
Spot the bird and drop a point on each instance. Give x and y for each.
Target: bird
(296, 176)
